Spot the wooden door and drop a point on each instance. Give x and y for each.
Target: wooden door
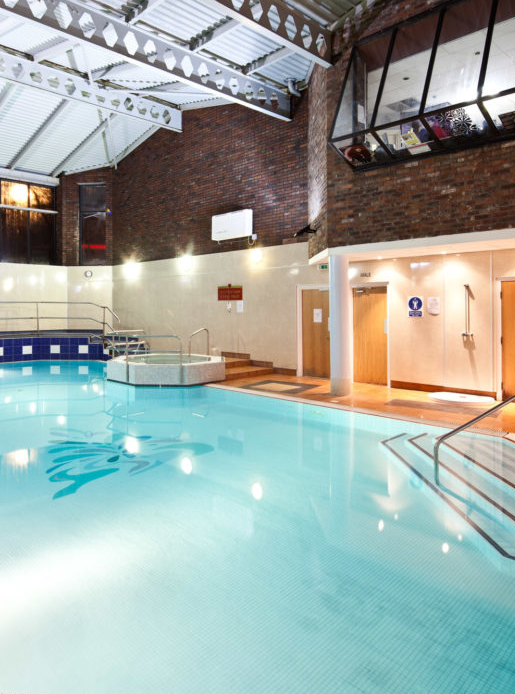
(315, 333)
(370, 339)
(508, 338)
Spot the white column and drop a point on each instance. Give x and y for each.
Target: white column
(340, 312)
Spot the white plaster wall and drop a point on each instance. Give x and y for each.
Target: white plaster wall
(97, 289)
(172, 296)
(431, 350)
(28, 284)
(31, 283)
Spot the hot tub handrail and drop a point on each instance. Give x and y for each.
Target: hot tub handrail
(128, 343)
(196, 332)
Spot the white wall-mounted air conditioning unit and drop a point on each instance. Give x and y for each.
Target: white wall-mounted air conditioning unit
(232, 225)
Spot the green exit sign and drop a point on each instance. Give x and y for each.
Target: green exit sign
(324, 266)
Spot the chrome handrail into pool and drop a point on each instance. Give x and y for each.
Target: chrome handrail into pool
(457, 430)
(39, 318)
(196, 332)
(139, 338)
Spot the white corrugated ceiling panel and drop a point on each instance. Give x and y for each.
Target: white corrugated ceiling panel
(24, 110)
(183, 19)
(69, 129)
(23, 35)
(241, 46)
(125, 131)
(294, 66)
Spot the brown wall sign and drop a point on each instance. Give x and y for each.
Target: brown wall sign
(230, 293)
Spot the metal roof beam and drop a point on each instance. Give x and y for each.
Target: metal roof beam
(85, 143)
(73, 20)
(74, 88)
(37, 135)
(283, 25)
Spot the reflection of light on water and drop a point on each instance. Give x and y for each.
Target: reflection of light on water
(131, 445)
(33, 586)
(7, 399)
(18, 459)
(257, 491)
(380, 525)
(186, 466)
(33, 407)
(445, 547)
(61, 420)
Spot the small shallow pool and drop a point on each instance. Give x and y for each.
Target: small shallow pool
(198, 540)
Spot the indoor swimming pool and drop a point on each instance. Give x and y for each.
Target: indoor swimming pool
(198, 540)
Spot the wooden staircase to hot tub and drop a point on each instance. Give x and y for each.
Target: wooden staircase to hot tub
(242, 366)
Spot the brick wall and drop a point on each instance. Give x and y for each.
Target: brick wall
(68, 218)
(459, 192)
(227, 158)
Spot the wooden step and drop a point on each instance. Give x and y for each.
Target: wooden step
(231, 362)
(246, 371)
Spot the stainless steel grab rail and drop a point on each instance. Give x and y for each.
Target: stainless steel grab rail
(196, 333)
(39, 318)
(457, 430)
(137, 338)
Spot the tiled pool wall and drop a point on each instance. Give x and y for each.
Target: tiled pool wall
(31, 348)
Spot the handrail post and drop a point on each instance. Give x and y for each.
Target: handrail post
(127, 358)
(103, 321)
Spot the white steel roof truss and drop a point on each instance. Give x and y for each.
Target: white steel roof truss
(74, 88)
(282, 24)
(72, 19)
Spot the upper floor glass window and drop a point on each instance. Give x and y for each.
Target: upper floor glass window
(443, 80)
(27, 223)
(92, 205)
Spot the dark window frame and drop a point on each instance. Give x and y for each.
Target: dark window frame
(84, 213)
(493, 133)
(52, 213)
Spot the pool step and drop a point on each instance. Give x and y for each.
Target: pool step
(485, 501)
(242, 366)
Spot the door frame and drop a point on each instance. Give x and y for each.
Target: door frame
(368, 285)
(497, 330)
(300, 288)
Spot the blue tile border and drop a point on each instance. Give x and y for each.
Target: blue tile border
(11, 349)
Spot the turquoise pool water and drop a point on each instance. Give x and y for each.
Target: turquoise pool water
(191, 541)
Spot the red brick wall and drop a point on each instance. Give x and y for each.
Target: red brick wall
(459, 192)
(227, 158)
(68, 218)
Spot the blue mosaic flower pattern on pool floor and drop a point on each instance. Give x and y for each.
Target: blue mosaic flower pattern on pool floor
(80, 460)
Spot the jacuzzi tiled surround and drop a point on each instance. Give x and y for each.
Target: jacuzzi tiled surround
(34, 348)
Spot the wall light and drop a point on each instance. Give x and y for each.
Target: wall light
(256, 254)
(8, 284)
(88, 273)
(131, 270)
(185, 263)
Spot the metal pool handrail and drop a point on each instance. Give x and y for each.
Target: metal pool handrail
(457, 430)
(196, 332)
(38, 318)
(139, 336)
